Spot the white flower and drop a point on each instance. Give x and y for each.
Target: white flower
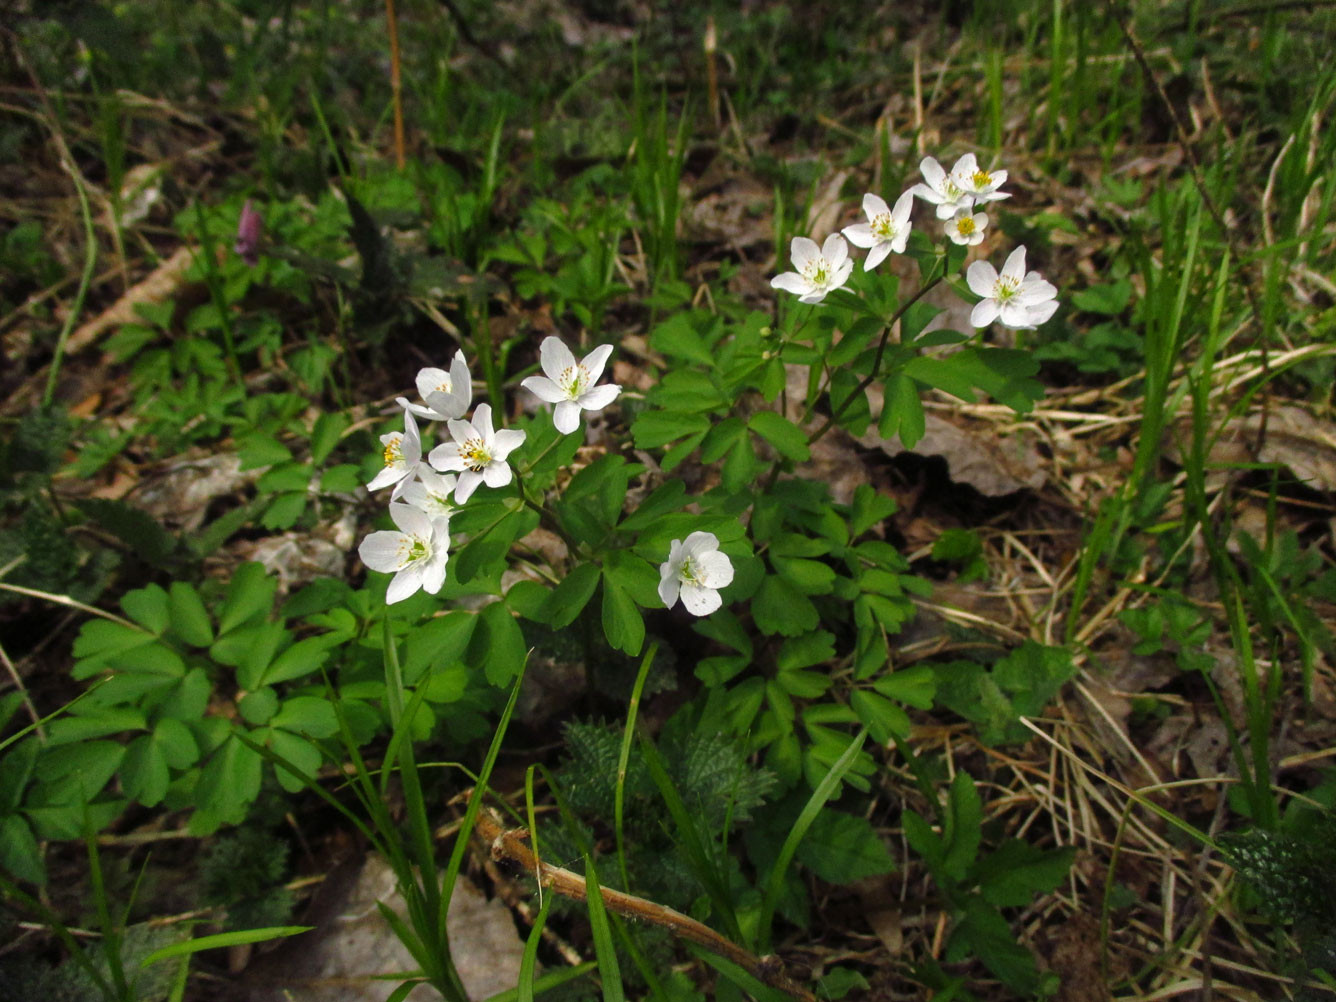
(886, 230)
(966, 227)
(403, 454)
(430, 493)
(415, 555)
(1018, 299)
(820, 270)
(942, 190)
(447, 394)
(570, 384)
(696, 570)
(980, 185)
(477, 453)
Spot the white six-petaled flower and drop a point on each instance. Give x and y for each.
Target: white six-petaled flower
(942, 189)
(447, 395)
(430, 493)
(478, 454)
(978, 184)
(570, 384)
(695, 570)
(415, 555)
(966, 227)
(1019, 300)
(886, 230)
(820, 269)
(403, 455)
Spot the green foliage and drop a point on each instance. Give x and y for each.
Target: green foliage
(243, 873)
(992, 698)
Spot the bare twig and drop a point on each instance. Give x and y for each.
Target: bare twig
(510, 845)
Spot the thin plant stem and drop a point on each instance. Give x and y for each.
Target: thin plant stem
(871, 377)
(396, 83)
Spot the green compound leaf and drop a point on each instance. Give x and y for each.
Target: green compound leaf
(779, 608)
(841, 848)
(622, 623)
(787, 438)
(190, 620)
(498, 644)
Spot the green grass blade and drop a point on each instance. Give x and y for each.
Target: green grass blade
(222, 940)
(693, 841)
(553, 979)
(823, 792)
(624, 758)
(529, 962)
(608, 968)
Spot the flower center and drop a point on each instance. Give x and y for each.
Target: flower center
(444, 386)
(981, 179)
(574, 380)
(883, 226)
(950, 189)
(691, 572)
(417, 549)
(394, 450)
(1005, 289)
(817, 272)
(474, 454)
(965, 225)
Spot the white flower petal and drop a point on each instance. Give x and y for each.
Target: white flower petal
(598, 397)
(445, 457)
(1042, 312)
(669, 586)
(927, 194)
(430, 380)
(410, 520)
(555, 357)
(966, 165)
(391, 474)
(700, 601)
(877, 255)
(791, 281)
(544, 389)
(834, 250)
(803, 250)
(383, 551)
(496, 474)
(984, 313)
(981, 277)
(566, 416)
(903, 205)
(874, 205)
(482, 422)
(860, 235)
(468, 483)
(506, 441)
(716, 570)
(405, 584)
(697, 543)
(460, 431)
(932, 173)
(1014, 267)
(594, 362)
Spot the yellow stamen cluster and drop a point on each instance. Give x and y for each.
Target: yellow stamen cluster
(394, 450)
(982, 179)
(883, 226)
(474, 455)
(574, 380)
(965, 225)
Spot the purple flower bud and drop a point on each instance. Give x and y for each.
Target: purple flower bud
(250, 227)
